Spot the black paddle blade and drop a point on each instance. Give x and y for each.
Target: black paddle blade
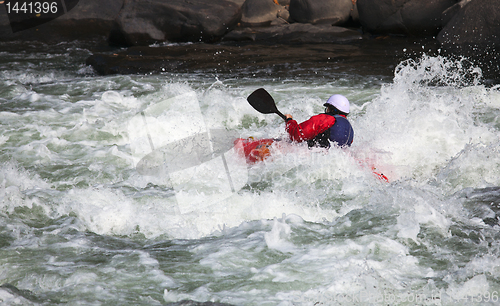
(262, 102)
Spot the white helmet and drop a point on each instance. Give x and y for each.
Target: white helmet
(340, 102)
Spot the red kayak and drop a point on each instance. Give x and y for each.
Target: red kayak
(257, 150)
(254, 150)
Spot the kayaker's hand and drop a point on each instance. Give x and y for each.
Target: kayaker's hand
(288, 117)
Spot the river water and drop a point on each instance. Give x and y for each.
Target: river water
(80, 225)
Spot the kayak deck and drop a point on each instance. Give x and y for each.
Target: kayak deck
(257, 150)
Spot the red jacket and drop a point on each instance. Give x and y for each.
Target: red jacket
(308, 129)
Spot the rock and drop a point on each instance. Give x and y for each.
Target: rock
(474, 32)
(259, 12)
(237, 2)
(354, 11)
(452, 11)
(284, 14)
(84, 19)
(5, 30)
(408, 17)
(475, 24)
(334, 12)
(296, 33)
(283, 2)
(146, 22)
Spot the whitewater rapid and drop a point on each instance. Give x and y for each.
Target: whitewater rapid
(80, 224)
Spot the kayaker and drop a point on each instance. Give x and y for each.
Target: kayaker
(320, 129)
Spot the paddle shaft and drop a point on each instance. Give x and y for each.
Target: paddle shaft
(280, 114)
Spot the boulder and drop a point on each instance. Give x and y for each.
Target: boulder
(334, 12)
(146, 22)
(476, 24)
(237, 2)
(83, 19)
(474, 32)
(450, 12)
(259, 12)
(407, 17)
(284, 15)
(296, 33)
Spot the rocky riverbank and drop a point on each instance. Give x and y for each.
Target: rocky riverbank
(467, 27)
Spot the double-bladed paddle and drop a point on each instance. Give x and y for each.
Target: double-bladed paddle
(262, 102)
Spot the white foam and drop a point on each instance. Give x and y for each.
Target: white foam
(14, 183)
(365, 267)
(110, 212)
(278, 237)
(423, 126)
(7, 298)
(477, 286)
(310, 227)
(408, 129)
(474, 166)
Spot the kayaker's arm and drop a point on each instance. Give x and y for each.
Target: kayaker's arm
(310, 128)
(293, 129)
